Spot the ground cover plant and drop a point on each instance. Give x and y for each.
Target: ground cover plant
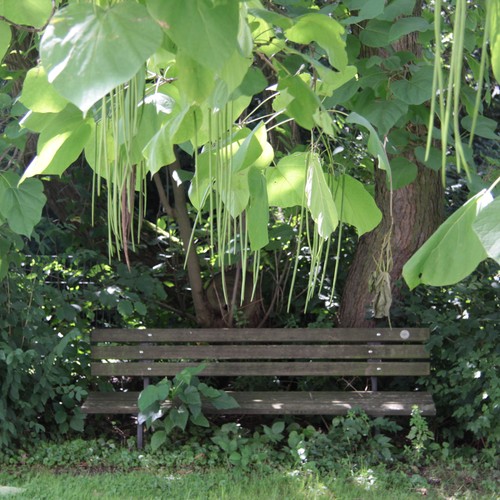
(273, 460)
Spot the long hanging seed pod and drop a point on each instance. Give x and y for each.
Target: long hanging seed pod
(119, 124)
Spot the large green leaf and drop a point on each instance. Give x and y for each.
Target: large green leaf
(356, 206)
(299, 100)
(323, 30)
(258, 210)
(248, 149)
(158, 439)
(286, 181)
(452, 252)
(207, 31)
(39, 95)
(196, 81)
(5, 36)
(328, 80)
(202, 181)
(367, 10)
(407, 25)
(21, 204)
(376, 33)
(178, 127)
(237, 195)
(485, 127)
(384, 114)
(28, 12)
(375, 146)
(487, 228)
(87, 50)
(397, 8)
(418, 89)
(272, 18)
(147, 398)
(61, 142)
(404, 172)
(319, 198)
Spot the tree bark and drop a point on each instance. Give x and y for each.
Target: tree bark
(204, 316)
(417, 211)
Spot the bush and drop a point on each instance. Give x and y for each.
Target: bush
(49, 306)
(465, 354)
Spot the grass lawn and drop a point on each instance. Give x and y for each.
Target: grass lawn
(82, 483)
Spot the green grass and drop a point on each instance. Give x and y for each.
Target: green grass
(218, 484)
(81, 484)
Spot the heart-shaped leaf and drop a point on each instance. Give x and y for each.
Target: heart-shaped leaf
(357, 206)
(452, 252)
(286, 181)
(88, 50)
(39, 95)
(21, 204)
(60, 143)
(207, 31)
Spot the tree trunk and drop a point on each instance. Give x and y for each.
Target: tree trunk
(204, 316)
(416, 214)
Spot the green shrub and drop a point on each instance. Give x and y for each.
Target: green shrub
(49, 304)
(465, 355)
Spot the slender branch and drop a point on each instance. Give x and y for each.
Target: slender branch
(203, 313)
(167, 208)
(31, 29)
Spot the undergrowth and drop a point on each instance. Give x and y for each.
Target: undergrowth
(355, 448)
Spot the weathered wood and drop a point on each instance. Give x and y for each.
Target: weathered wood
(284, 403)
(364, 352)
(249, 368)
(200, 352)
(248, 335)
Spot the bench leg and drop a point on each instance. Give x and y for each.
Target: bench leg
(140, 436)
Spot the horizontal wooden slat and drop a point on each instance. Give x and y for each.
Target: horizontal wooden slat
(285, 403)
(201, 352)
(225, 335)
(320, 368)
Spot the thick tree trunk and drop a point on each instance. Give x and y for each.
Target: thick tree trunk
(417, 211)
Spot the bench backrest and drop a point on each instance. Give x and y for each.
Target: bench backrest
(264, 351)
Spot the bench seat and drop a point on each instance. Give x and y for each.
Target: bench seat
(284, 403)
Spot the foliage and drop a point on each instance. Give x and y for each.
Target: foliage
(243, 450)
(316, 64)
(419, 436)
(184, 395)
(464, 349)
(50, 304)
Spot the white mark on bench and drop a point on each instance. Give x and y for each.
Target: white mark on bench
(141, 352)
(149, 368)
(379, 369)
(405, 334)
(370, 351)
(379, 334)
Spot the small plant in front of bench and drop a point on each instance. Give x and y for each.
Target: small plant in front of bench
(178, 402)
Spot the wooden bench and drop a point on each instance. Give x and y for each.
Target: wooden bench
(341, 352)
